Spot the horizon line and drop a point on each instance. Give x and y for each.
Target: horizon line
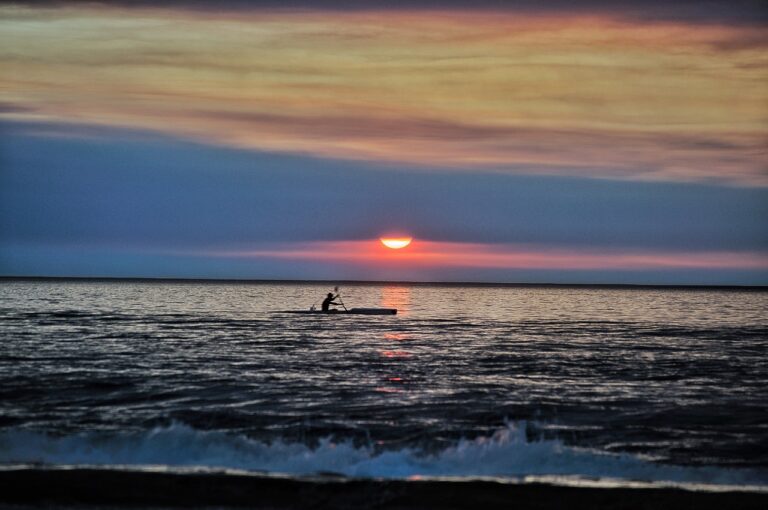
(144, 279)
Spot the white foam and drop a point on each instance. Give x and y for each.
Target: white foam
(506, 453)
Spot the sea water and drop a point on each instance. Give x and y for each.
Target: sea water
(656, 385)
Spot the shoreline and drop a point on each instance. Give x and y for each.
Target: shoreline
(114, 488)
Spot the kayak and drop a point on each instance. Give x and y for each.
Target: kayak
(353, 311)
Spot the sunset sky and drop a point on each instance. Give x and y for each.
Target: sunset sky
(552, 142)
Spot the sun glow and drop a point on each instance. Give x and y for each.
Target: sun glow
(396, 242)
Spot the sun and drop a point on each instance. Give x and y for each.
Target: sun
(396, 242)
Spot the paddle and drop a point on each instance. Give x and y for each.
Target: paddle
(338, 295)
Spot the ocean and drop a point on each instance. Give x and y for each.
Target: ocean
(598, 386)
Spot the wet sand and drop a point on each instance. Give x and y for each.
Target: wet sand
(78, 488)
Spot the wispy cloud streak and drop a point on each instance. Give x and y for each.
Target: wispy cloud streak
(589, 95)
(434, 254)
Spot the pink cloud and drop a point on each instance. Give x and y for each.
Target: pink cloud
(435, 254)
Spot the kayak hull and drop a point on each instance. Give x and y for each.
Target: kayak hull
(373, 311)
(351, 311)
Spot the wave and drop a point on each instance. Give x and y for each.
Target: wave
(505, 454)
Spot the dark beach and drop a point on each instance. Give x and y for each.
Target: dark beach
(69, 488)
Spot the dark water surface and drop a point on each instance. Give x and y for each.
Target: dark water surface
(650, 384)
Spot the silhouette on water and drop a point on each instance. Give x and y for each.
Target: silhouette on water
(328, 301)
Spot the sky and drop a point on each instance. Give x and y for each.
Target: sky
(531, 142)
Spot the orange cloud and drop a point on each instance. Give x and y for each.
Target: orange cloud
(433, 254)
(581, 95)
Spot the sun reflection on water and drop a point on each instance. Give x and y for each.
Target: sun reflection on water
(396, 296)
(396, 337)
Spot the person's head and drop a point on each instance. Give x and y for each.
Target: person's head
(330, 294)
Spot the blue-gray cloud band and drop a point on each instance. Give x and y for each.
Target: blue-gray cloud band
(162, 193)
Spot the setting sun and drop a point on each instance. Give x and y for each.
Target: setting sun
(396, 242)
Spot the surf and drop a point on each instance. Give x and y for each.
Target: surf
(504, 455)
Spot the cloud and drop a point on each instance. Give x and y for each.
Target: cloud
(342, 262)
(10, 108)
(436, 145)
(585, 96)
(128, 189)
(431, 254)
(690, 11)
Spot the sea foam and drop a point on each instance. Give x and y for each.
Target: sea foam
(505, 454)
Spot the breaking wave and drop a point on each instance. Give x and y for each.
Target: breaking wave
(505, 454)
